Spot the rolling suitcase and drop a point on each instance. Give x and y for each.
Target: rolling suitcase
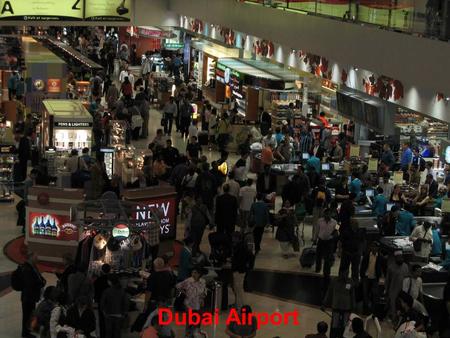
(308, 257)
(203, 138)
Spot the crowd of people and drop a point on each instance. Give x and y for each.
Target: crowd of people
(235, 208)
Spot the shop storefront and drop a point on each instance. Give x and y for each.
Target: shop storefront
(253, 84)
(202, 64)
(65, 125)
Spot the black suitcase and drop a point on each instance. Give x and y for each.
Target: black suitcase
(203, 138)
(380, 307)
(308, 257)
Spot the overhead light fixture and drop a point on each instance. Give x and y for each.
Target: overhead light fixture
(447, 99)
(356, 68)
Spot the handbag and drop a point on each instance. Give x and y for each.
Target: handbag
(163, 122)
(417, 244)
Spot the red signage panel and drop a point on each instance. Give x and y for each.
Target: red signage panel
(51, 226)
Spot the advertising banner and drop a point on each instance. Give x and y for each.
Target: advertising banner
(108, 10)
(51, 226)
(168, 215)
(54, 85)
(42, 10)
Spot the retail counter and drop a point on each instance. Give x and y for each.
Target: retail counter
(49, 232)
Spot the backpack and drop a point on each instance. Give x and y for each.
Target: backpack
(17, 278)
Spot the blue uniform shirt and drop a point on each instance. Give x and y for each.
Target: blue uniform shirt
(379, 205)
(406, 157)
(314, 162)
(355, 187)
(405, 223)
(436, 247)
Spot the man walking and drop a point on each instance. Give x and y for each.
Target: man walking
(114, 305)
(32, 284)
(170, 110)
(226, 211)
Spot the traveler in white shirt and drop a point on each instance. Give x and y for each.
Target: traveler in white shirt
(269, 139)
(234, 186)
(424, 235)
(192, 130)
(413, 285)
(247, 196)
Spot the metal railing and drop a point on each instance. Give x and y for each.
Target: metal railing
(419, 17)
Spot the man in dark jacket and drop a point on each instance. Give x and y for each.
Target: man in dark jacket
(373, 267)
(100, 285)
(23, 155)
(266, 182)
(226, 211)
(351, 238)
(241, 262)
(160, 285)
(81, 317)
(114, 304)
(206, 187)
(33, 282)
(170, 154)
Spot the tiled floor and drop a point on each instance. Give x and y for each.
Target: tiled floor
(268, 259)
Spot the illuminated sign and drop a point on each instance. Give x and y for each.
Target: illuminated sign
(41, 10)
(51, 226)
(62, 124)
(54, 85)
(121, 231)
(232, 71)
(173, 45)
(108, 10)
(168, 215)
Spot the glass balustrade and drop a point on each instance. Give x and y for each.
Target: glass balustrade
(420, 17)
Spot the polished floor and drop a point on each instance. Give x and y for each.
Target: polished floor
(277, 284)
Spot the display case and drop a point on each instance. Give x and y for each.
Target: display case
(66, 125)
(108, 159)
(117, 133)
(420, 130)
(7, 159)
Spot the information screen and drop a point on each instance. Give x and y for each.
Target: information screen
(108, 10)
(42, 10)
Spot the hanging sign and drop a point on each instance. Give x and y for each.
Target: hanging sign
(173, 45)
(42, 10)
(354, 150)
(121, 231)
(108, 10)
(54, 85)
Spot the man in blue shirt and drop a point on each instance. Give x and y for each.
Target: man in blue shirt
(355, 186)
(379, 203)
(418, 159)
(313, 163)
(406, 158)
(405, 223)
(278, 135)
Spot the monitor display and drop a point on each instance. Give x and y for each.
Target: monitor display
(374, 116)
(325, 166)
(344, 104)
(370, 192)
(389, 206)
(305, 156)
